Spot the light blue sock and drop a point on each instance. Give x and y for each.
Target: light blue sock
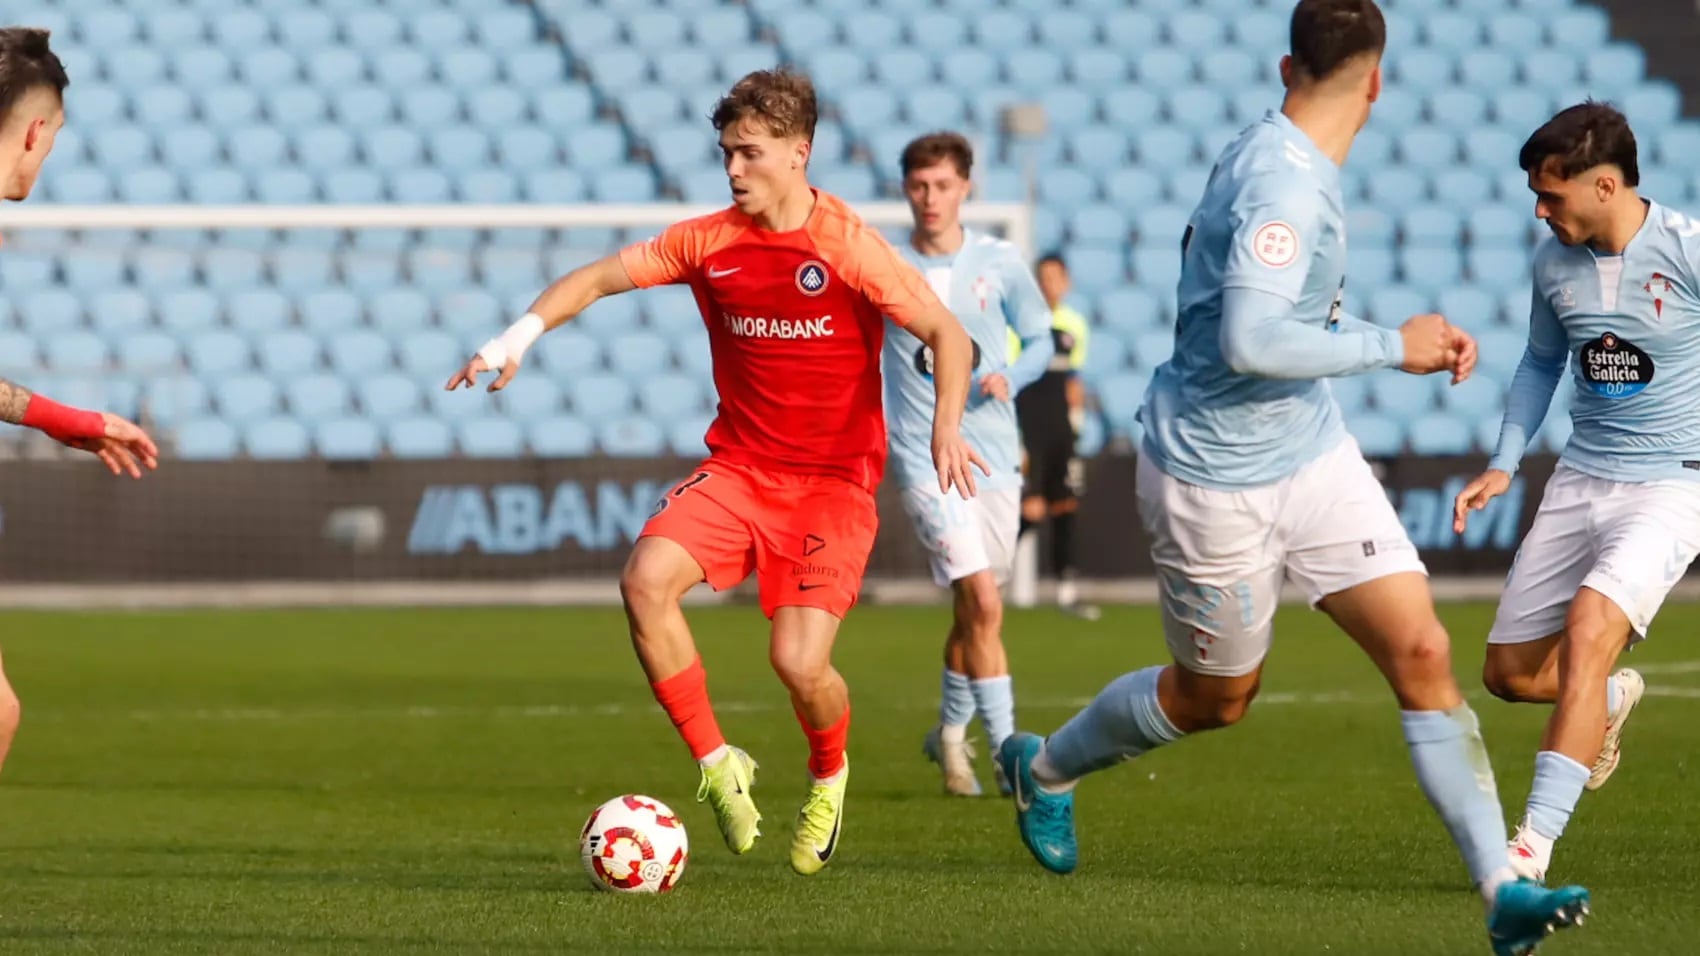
(956, 706)
(1552, 797)
(995, 698)
(1453, 769)
(1122, 722)
(1614, 695)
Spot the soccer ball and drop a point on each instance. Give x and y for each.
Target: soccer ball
(634, 844)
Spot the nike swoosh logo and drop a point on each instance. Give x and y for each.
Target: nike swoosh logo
(1023, 799)
(714, 273)
(809, 587)
(831, 841)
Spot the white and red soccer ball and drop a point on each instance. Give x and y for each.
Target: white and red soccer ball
(634, 844)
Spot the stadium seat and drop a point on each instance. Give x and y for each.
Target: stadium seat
(631, 437)
(902, 68)
(489, 437)
(206, 439)
(217, 353)
(686, 437)
(117, 311)
(276, 438)
(669, 396)
(1440, 434)
(531, 397)
(599, 397)
(560, 436)
(243, 398)
(1378, 435)
(390, 396)
(347, 439)
(1469, 307)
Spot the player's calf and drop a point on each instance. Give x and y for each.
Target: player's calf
(979, 623)
(1199, 702)
(657, 575)
(1595, 632)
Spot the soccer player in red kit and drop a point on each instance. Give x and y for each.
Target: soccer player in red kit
(793, 287)
(32, 109)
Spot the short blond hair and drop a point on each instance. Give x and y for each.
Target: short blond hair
(782, 100)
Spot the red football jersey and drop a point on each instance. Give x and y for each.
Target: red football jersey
(795, 323)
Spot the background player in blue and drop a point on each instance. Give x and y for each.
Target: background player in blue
(970, 543)
(1618, 287)
(1248, 477)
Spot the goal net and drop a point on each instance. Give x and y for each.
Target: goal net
(291, 361)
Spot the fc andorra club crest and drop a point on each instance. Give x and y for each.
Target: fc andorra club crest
(811, 278)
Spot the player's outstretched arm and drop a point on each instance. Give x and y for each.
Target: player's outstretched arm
(564, 299)
(953, 369)
(1261, 336)
(120, 444)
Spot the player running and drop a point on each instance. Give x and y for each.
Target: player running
(1617, 285)
(792, 286)
(969, 543)
(32, 109)
(1247, 476)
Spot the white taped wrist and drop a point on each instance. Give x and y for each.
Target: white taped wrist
(512, 343)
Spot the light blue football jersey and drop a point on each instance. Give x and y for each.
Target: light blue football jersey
(990, 290)
(1628, 326)
(1272, 220)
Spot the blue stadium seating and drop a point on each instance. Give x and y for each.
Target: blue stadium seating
(247, 342)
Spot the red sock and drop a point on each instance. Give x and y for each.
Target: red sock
(826, 747)
(684, 697)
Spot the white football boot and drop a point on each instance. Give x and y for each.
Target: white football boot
(957, 762)
(1530, 853)
(1630, 688)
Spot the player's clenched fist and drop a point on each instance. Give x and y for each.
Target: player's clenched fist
(1488, 485)
(1464, 347)
(1430, 344)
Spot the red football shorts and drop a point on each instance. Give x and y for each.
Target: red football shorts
(806, 537)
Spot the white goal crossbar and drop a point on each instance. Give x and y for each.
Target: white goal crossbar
(1016, 217)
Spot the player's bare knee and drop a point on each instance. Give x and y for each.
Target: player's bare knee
(649, 584)
(979, 608)
(800, 669)
(1424, 652)
(1505, 680)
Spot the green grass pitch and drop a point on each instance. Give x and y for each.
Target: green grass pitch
(414, 781)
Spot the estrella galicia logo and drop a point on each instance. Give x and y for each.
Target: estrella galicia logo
(924, 359)
(1614, 367)
(811, 278)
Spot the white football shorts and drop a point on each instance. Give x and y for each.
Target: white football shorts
(1630, 541)
(965, 536)
(1221, 556)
